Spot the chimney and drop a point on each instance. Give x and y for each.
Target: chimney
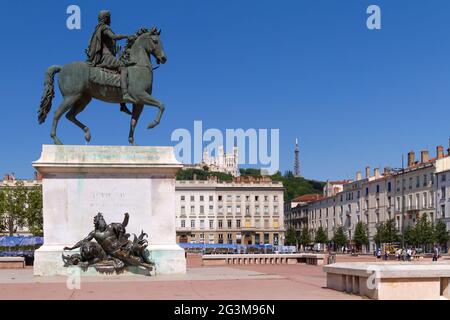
(424, 156)
(448, 150)
(358, 176)
(440, 152)
(376, 173)
(387, 171)
(411, 158)
(367, 172)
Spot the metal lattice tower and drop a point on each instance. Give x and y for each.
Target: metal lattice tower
(297, 160)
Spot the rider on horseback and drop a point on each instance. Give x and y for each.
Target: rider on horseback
(102, 53)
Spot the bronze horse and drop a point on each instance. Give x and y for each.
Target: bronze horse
(78, 89)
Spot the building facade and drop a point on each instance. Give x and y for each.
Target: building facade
(245, 211)
(402, 194)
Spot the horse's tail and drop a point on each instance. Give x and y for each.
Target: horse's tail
(49, 93)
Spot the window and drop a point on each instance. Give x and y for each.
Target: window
(220, 209)
(397, 203)
(425, 200)
(266, 224)
(275, 198)
(275, 210)
(443, 193)
(220, 238)
(266, 198)
(266, 210)
(202, 209)
(238, 198)
(230, 238)
(425, 180)
(211, 224)
(377, 204)
(192, 198)
(211, 198)
(275, 223)
(256, 198)
(266, 238)
(202, 198)
(417, 181)
(211, 238)
(410, 183)
(257, 239)
(192, 223)
(389, 186)
(183, 210)
(247, 198)
(247, 210)
(183, 198)
(257, 210)
(202, 224)
(229, 198)
(220, 224)
(229, 210)
(378, 188)
(219, 198)
(443, 176)
(238, 223)
(183, 223)
(192, 209)
(238, 209)
(229, 224)
(211, 209)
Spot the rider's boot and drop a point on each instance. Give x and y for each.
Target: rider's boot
(123, 84)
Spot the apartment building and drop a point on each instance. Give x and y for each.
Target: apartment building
(402, 194)
(246, 211)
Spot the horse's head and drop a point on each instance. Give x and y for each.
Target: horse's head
(156, 46)
(150, 41)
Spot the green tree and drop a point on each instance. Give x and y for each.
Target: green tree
(340, 238)
(305, 237)
(424, 231)
(297, 186)
(390, 232)
(321, 236)
(441, 235)
(33, 215)
(410, 236)
(379, 235)
(13, 207)
(360, 237)
(199, 174)
(256, 173)
(291, 237)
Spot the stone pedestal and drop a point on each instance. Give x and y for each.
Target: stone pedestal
(80, 181)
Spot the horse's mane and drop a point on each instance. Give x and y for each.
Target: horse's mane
(130, 42)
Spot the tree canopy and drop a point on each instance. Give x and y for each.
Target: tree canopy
(340, 238)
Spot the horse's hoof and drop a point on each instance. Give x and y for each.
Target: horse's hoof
(131, 141)
(152, 125)
(87, 135)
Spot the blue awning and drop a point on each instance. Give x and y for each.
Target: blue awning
(13, 241)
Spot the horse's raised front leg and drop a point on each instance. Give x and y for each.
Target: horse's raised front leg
(78, 107)
(137, 110)
(67, 103)
(147, 99)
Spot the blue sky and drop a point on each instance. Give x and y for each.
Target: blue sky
(353, 97)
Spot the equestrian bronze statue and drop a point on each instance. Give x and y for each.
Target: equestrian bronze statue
(127, 79)
(111, 251)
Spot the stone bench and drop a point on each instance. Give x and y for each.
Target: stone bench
(12, 262)
(254, 259)
(390, 280)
